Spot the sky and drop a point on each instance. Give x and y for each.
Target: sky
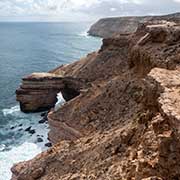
(81, 10)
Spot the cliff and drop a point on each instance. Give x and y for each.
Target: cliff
(124, 123)
(109, 27)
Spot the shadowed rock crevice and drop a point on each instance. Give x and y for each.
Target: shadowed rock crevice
(69, 93)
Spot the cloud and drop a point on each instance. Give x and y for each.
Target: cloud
(82, 9)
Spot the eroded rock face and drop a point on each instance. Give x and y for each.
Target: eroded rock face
(38, 91)
(125, 123)
(108, 27)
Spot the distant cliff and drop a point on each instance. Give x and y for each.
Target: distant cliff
(108, 27)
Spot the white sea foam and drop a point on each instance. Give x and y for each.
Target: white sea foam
(23, 152)
(2, 147)
(84, 34)
(29, 147)
(12, 110)
(60, 101)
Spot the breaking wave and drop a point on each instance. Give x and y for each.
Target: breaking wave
(21, 153)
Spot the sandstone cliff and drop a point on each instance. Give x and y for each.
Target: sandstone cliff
(125, 121)
(108, 27)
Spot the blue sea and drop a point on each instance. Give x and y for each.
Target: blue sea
(27, 48)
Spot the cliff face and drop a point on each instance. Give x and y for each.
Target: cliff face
(109, 27)
(124, 124)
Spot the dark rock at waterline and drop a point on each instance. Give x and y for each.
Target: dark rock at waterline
(45, 118)
(39, 140)
(40, 135)
(20, 125)
(42, 121)
(28, 129)
(32, 131)
(48, 144)
(44, 114)
(12, 127)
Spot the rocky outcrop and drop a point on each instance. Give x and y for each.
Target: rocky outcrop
(125, 123)
(109, 27)
(38, 91)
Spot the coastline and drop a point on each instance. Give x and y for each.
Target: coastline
(16, 128)
(117, 112)
(109, 27)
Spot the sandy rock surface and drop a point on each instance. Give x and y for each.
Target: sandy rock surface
(125, 122)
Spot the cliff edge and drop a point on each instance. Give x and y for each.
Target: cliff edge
(109, 27)
(124, 121)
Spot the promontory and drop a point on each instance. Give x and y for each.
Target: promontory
(121, 119)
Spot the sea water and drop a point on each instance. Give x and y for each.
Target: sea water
(27, 48)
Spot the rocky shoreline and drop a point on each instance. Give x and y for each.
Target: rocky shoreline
(38, 91)
(121, 118)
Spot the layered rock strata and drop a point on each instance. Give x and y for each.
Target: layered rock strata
(38, 91)
(109, 27)
(125, 123)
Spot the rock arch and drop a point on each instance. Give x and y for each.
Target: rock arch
(38, 91)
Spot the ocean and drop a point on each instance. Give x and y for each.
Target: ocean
(27, 48)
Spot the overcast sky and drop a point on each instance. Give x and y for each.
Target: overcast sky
(81, 10)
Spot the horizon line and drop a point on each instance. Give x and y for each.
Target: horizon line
(45, 22)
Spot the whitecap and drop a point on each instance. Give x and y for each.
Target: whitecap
(60, 101)
(84, 34)
(24, 152)
(20, 123)
(15, 111)
(2, 147)
(31, 147)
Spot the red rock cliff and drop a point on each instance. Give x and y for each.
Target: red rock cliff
(125, 122)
